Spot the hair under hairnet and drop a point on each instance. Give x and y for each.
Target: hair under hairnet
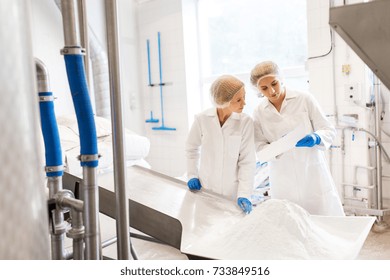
(223, 90)
(263, 69)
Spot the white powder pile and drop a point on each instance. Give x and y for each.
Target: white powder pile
(275, 229)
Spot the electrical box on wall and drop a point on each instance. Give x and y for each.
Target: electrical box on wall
(352, 92)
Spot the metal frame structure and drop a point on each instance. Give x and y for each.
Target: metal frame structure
(363, 27)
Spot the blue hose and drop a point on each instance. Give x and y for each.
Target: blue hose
(83, 108)
(51, 138)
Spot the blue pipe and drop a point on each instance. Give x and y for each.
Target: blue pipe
(51, 137)
(83, 108)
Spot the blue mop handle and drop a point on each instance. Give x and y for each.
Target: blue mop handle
(148, 51)
(159, 56)
(161, 84)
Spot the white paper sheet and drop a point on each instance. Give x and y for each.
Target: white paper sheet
(284, 144)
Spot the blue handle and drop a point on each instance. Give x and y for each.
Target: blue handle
(161, 85)
(148, 51)
(159, 56)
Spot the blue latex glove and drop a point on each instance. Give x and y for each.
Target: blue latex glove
(309, 140)
(194, 184)
(244, 204)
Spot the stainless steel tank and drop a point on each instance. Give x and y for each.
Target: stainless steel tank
(23, 206)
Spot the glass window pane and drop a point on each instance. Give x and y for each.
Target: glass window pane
(237, 34)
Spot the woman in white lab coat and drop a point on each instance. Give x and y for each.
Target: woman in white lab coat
(300, 175)
(220, 145)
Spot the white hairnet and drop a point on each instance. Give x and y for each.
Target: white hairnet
(223, 89)
(262, 70)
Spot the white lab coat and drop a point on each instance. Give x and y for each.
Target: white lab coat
(223, 158)
(300, 175)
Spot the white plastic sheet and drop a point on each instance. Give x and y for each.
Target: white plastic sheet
(216, 228)
(284, 144)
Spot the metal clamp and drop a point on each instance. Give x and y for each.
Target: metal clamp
(87, 158)
(73, 50)
(76, 233)
(54, 168)
(46, 98)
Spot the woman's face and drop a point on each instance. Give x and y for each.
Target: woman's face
(271, 87)
(238, 102)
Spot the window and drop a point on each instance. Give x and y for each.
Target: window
(236, 34)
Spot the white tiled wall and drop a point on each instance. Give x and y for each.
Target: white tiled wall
(167, 146)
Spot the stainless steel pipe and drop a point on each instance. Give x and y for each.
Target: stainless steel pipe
(83, 29)
(66, 201)
(54, 184)
(123, 245)
(378, 154)
(70, 23)
(89, 183)
(93, 250)
(59, 227)
(43, 82)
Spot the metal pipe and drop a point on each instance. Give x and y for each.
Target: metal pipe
(59, 226)
(99, 67)
(336, 117)
(82, 12)
(133, 252)
(109, 242)
(91, 211)
(53, 156)
(122, 220)
(89, 154)
(342, 159)
(377, 147)
(105, 244)
(65, 201)
(379, 143)
(70, 24)
(42, 76)
(88, 140)
(77, 233)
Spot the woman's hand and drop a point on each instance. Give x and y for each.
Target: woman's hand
(244, 204)
(194, 184)
(309, 140)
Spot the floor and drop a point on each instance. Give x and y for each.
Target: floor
(376, 246)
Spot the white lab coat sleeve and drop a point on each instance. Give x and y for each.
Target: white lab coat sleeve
(246, 161)
(259, 139)
(193, 146)
(321, 125)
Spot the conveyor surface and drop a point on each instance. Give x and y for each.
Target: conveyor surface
(209, 226)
